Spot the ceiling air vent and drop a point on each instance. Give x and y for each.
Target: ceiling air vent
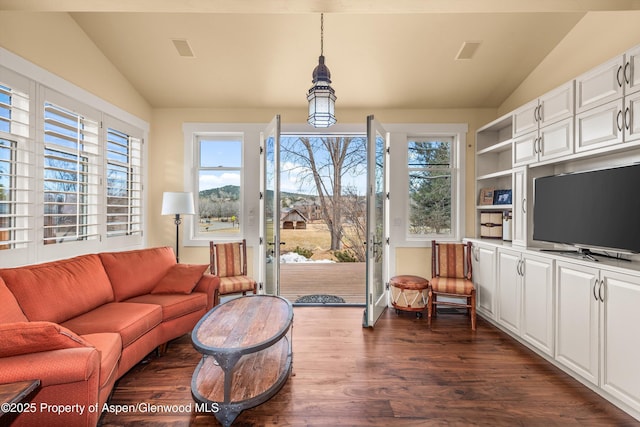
(467, 50)
(183, 48)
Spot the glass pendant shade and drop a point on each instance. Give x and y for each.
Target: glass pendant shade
(321, 97)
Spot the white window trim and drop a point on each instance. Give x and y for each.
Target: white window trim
(398, 181)
(40, 79)
(249, 181)
(398, 222)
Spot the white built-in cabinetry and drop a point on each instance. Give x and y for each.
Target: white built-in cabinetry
(579, 314)
(608, 102)
(543, 129)
(484, 268)
(595, 307)
(525, 296)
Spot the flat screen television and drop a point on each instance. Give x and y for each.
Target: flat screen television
(597, 209)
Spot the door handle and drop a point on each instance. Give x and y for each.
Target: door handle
(594, 289)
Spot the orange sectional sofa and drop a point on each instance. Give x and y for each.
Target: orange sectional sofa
(79, 324)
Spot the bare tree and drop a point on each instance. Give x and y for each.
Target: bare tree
(324, 162)
(355, 214)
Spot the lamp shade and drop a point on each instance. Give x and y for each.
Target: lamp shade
(177, 203)
(321, 97)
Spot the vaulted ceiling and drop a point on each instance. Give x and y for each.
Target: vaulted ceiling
(387, 54)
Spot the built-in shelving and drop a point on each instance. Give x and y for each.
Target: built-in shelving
(494, 163)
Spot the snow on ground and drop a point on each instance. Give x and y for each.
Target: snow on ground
(294, 257)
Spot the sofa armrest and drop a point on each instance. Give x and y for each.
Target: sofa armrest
(210, 285)
(68, 377)
(53, 367)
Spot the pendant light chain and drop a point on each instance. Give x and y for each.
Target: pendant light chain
(321, 96)
(322, 34)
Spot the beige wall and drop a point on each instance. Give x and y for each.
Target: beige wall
(56, 43)
(166, 155)
(598, 37)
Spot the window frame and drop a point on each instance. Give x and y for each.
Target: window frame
(20, 205)
(198, 168)
(39, 84)
(400, 134)
(137, 168)
(250, 134)
(450, 170)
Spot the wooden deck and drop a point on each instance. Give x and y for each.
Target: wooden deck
(342, 279)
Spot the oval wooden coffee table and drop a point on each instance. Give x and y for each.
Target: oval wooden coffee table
(247, 354)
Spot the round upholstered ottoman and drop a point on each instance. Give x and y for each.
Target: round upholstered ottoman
(409, 293)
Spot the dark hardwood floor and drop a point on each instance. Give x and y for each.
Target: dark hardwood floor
(398, 374)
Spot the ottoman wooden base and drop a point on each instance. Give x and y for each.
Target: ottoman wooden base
(409, 293)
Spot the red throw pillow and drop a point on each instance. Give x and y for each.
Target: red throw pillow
(181, 279)
(32, 337)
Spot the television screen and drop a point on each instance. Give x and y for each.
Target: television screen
(595, 209)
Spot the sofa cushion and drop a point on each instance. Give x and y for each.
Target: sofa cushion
(59, 290)
(230, 285)
(174, 305)
(31, 337)
(109, 345)
(11, 311)
(130, 320)
(180, 279)
(136, 272)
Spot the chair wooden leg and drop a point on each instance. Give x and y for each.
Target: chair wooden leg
(429, 307)
(473, 311)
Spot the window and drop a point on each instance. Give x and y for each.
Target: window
(71, 175)
(124, 183)
(432, 192)
(71, 172)
(15, 212)
(219, 185)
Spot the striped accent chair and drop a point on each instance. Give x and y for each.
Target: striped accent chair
(229, 262)
(451, 271)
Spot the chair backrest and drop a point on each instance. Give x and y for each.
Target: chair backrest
(228, 259)
(452, 260)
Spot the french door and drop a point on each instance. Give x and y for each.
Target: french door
(270, 207)
(377, 242)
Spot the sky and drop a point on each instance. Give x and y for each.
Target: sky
(227, 152)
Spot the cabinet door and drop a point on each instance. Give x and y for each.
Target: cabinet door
(600, 85)
(519, 198)
(525, 118)
(525, 149)
(537, 302)
(556, 105)
(484, 278)
(509, 290)
(577, 319)
(620, 346)
(556, 140)
(632, 117)
(632, 70)
(600, 127)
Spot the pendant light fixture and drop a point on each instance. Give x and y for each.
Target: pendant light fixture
(321, 96)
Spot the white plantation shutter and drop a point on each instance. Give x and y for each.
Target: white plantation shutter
(16, 160)
(123, 181)
(71, 175)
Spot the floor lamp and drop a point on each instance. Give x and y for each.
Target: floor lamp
(177, 203)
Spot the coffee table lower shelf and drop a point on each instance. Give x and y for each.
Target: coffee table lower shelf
(255, 378)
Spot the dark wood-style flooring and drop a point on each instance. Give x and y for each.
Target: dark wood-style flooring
(399, 374)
